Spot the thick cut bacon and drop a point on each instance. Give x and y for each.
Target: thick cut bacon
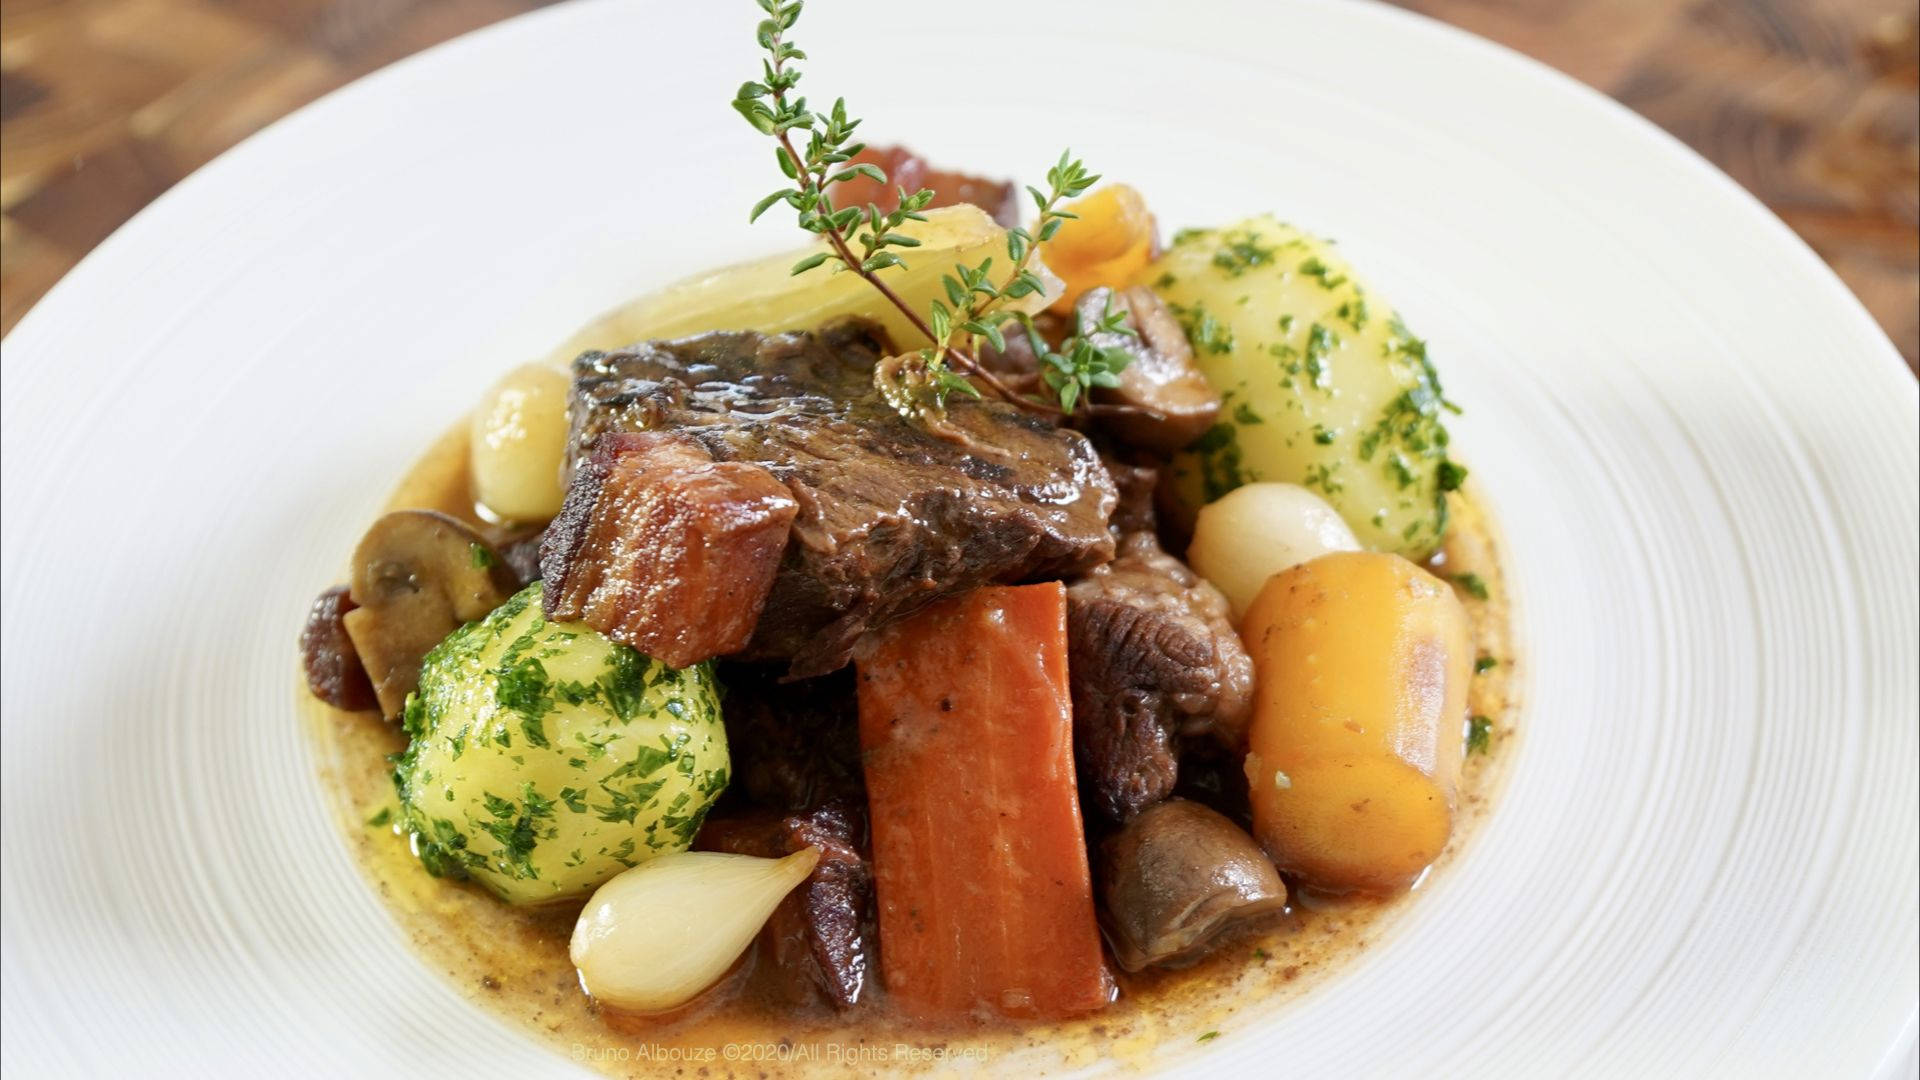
(665, 549)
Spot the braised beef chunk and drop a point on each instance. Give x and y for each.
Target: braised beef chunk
(890, 517)
(665, 549)
(908, 170)
(334, 673)
(1215, 776)
(820, 937)
(793, 745)
(1151, 656)
(1133, 510)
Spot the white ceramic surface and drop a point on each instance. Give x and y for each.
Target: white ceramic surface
(1702, 449)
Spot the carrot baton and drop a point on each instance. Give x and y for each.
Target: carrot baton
(979, 859)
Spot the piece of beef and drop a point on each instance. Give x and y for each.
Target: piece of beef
(663, 548)
(908, 170)
(334, 673)
(1152, 655)
(794, 746)
(1214, 775)
(891, 517)
(820, 938)
(1133, 510)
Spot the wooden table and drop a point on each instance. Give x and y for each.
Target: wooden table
(1814, 105)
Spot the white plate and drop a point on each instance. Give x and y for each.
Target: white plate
(1702, 450)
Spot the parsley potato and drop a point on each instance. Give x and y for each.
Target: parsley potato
(1362, 662)
(1323, 385)
(545, 758)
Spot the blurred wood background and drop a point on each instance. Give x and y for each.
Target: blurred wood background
(1814, 105)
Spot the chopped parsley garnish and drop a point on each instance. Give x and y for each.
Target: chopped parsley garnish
(1475, 587)
(525, 689)
(1354, 313)
(1242, 253)
(482, 556)
(1322, 477)
(1221, 466)
(1320, 344)
(1208, 1036)
(1402, 470)
(1203, 330)
(1484, 665)
(1479, 735)
(1410, 430)
(1313, 267)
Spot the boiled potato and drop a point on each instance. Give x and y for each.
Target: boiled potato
(1323, 386)
(1362, 662)
(765, 294)
(518, 437)
(545, 758)
(1257, 530)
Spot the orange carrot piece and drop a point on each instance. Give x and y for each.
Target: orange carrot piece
(979, 858)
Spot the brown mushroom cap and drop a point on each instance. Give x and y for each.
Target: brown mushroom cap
(1161, 378)
(418, 575)
(1176, 879)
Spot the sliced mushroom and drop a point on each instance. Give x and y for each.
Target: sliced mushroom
(1177, 403)
(1177, 879)
(418, 575)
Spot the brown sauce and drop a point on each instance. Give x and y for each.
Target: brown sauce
(513, 962)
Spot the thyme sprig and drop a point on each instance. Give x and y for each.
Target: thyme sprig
(867, 241)
(1080, 364)
(979, 308)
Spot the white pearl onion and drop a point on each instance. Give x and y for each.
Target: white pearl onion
(1257, 530)
(655, 936)
(518, 437)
